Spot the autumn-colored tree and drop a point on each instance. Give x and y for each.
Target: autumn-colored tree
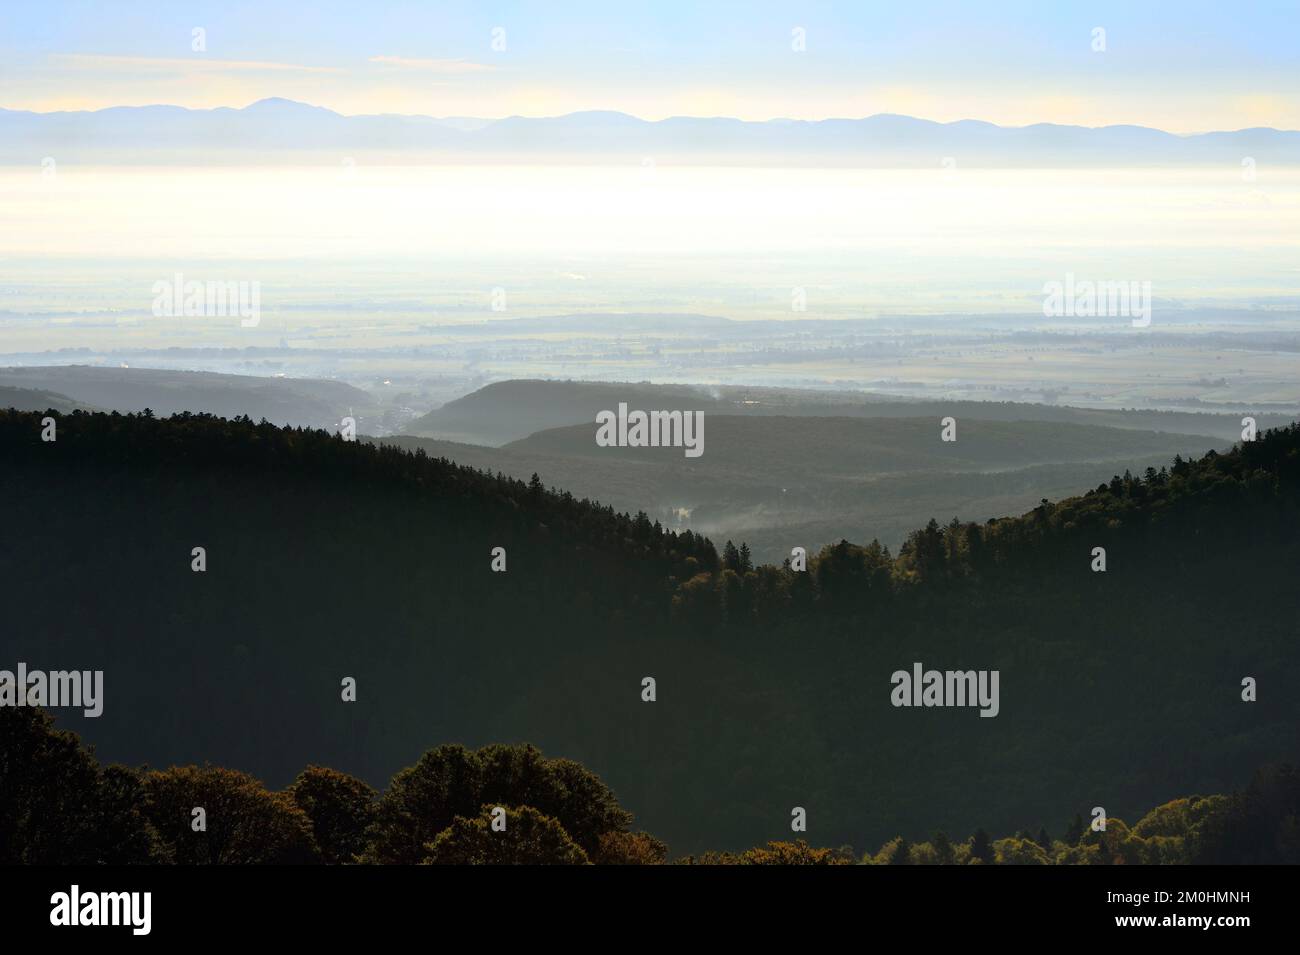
(529, 838)
(774, 853)
(341, 808)
(791, 853)
(629, 848)
(245, 824)
(1019, 851)
(711, 857)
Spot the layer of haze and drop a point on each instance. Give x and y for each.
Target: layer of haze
(860, 242)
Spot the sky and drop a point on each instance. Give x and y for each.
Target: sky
(1183, 66)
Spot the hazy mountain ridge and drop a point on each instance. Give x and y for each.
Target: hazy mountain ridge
(280, 130)
(299, 401)
(507, 411)
(39, 399)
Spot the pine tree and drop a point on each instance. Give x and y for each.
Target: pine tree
(731, 557)
(942, 848)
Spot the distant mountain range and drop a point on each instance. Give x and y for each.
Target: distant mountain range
(279, 130)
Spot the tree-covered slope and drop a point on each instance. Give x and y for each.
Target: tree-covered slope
(328, 560)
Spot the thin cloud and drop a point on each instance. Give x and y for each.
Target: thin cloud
(197, 63)
(432, 66)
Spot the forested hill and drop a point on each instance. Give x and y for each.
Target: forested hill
(187, 443)
(327, 560)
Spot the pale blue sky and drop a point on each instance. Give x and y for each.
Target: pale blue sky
(1182, 65)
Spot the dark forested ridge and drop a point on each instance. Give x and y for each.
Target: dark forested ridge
(328, 559)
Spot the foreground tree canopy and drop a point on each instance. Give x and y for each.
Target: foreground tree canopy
(508, 805)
